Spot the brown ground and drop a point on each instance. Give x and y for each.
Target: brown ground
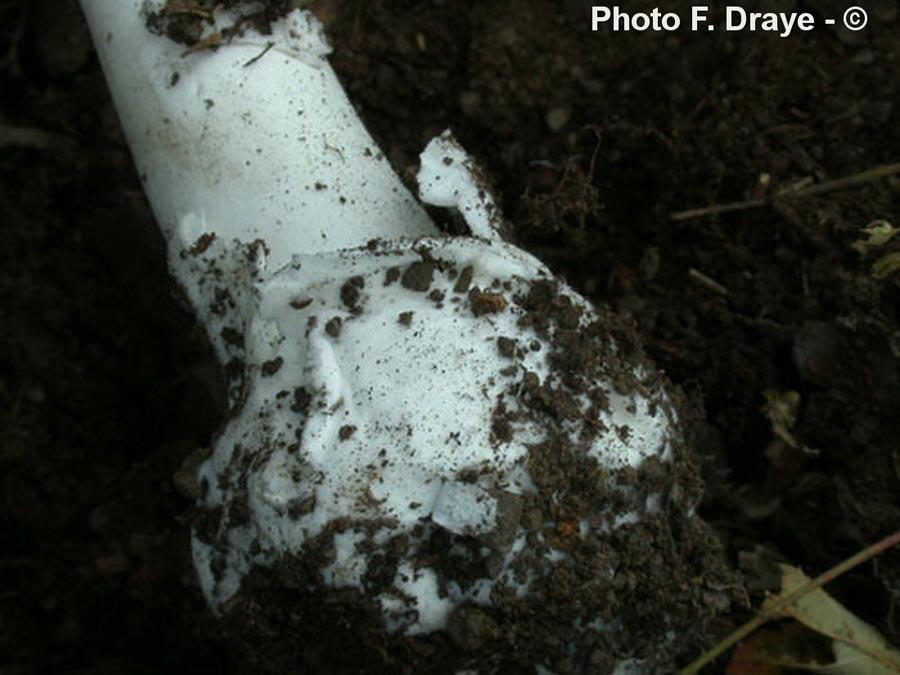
(593, 140)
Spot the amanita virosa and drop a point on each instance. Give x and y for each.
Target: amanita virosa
(439, 456)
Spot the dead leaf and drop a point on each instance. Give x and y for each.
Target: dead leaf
(886, 266)
(770, 652)
(749, 660)
(878, 233)
(781, 408)
(859, 649)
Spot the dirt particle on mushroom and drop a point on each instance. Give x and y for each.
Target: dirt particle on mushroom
(269, 368)
(202, 244)
(391, 275)
(350, 292)
(471, 627)
(302, 399)
(486, 303)
(333, 326)
(506, 346)
(465, 280)
(418, 276)
(232, 337)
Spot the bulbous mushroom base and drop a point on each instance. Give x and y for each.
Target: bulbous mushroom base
(442, 458)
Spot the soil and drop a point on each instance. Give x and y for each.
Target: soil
(593, 141)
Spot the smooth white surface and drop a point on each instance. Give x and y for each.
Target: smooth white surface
(448, 177)
(268, 149)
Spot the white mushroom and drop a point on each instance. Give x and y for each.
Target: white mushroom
(392, 389)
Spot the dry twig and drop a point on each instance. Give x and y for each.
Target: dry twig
(853, 180)
(775, 610)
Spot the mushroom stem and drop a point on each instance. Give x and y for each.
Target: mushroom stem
(254, 140)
